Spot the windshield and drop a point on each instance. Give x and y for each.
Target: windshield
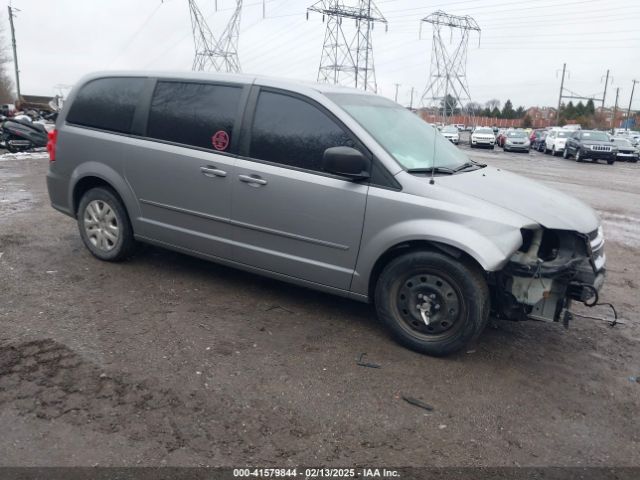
(450, 130)
(406, 137)
(484, 130)
(516, 134)
(563, 134)
(597, 136)
(622, 141)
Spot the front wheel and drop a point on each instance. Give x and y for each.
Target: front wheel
(104, 225)
(578, 156)
(432, 303)
(565, 153)
(610, 162)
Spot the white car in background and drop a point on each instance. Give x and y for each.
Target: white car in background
(451, 133)
(556, 141)
(483, 137)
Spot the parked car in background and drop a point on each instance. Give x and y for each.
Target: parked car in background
(451, 133)
(537, 139)
(516, 141)
(444, 243)
(590, 145)
(573, 127)
(483, 137)
(626, 150)
(500, 136)
(459, 126)
(555, 141)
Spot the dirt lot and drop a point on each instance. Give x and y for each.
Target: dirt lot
(171, 360)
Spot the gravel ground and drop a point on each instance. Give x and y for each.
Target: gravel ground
(169, 360)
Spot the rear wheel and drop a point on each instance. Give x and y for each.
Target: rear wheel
(104, 225)
(432, 303)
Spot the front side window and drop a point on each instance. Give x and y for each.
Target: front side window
(107, 104)
(196, 114)
(291, 131)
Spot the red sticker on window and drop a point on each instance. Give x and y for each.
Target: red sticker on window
(220, 140)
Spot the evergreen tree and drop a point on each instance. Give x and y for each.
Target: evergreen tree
(590, 109)
(569, 111)
(507, 110)
(580, 109)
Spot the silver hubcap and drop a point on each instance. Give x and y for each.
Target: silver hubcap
(101, 225)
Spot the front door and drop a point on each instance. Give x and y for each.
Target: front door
(288, 215)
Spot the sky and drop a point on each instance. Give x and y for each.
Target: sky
(518, 55)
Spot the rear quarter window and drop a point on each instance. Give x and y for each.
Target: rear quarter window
(107, 104)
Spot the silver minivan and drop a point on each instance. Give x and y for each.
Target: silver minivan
(327, 187)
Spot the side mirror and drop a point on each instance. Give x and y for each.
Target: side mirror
(346, 161)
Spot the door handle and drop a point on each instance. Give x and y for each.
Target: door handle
(252, 180)
(212, 172)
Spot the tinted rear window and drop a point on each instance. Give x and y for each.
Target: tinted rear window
(196, 114)
(107, 104)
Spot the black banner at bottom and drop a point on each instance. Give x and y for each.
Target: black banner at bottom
(311, 473)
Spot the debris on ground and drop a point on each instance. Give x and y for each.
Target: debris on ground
(362, 363)
(418, 403)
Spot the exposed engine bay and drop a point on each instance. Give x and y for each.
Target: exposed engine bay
(551, 268)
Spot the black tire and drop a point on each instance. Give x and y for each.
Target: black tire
(565, 153)
(493, 147)
(578, 157)
(610, 162)
(461, 289)
(125, 245)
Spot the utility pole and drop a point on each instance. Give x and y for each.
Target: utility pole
(396, 97)
(606, 82)
(615, 109)
(411, 103)
(15, 52)
(564, 69)
(630, 100)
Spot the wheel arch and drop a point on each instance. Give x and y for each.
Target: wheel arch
(91, 175)
(417, 245)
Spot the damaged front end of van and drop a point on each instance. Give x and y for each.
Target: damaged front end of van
(550, 270)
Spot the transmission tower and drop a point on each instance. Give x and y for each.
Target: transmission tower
(448, 72)
(347, 58)
(220, 54)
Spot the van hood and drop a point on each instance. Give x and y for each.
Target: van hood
(539, 203)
